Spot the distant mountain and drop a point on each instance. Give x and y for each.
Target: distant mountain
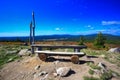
(61, 37)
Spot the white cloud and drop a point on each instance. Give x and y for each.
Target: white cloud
(110, 22)
(89, 26)
(57, 29)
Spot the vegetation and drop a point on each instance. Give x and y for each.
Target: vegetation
(113, 58)
(93, 66)
(82, 40)
(90, 78)
(8, 53)
(91, 72)
(106, 76)
(94, 52)
(100, 41)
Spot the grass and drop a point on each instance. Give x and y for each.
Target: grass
(94, 52)
(91, 72)
(93, 66)
(110, 57)
(90, 78)
(106, 75)
(113, 58)
(6, 57)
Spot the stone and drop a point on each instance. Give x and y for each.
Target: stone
(55, 74)
(45, 77)
(56, 62)
(24, 52)
(114, 50)
(42, 73)
(37, 67)
(102, 56)
(102, 66)
(9, 60)
(63, 71)
(11, 52)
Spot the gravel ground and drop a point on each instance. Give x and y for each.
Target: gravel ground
(25, 69)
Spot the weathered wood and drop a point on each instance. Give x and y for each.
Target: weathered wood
(74, 59)
(42, 57)
(60, 46)
(52, 53)
(75, 47)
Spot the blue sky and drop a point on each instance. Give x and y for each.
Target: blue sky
(60, 17)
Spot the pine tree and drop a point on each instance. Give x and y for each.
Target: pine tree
(81, 42)
(100, 41)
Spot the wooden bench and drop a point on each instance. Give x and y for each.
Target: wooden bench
(43, 55)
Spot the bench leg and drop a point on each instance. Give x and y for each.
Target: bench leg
(32, 50)
(76, 50)
(42, 57)
(75, 59)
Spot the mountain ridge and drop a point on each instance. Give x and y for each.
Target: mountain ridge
(66, 37)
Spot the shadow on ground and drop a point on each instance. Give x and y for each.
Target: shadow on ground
(52, 59)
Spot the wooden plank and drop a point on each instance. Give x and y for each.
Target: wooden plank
(61, 53)
(60, 46)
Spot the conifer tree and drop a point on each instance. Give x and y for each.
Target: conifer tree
(81, 42)
(100, 40)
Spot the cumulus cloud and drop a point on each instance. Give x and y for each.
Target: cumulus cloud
(110, 22)
(58, 29)
(89, 26)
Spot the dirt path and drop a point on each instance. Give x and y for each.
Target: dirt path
(25, 69)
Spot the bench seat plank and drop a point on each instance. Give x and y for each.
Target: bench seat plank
(61, 53)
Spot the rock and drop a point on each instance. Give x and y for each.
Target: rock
(102, 66)
(114, 75)
(11, 52)
(42, 73)
(24, 52)
(56, 62)
(63, 71)
(25, 44)
(45, 77)
(37, 67)
(55, 74)
(33, 73)
(18, 60)
(102, 56)
(114, 50)
(9, 60)
(35, 77)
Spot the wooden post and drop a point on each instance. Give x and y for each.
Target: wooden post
(32, 33)
(33, 20)
(30, 38)
(32, 49)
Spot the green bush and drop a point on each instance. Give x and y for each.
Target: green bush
(106, 76)
(91, 72)
(93, 66)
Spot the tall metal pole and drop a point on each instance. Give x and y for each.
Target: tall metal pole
(33, 21)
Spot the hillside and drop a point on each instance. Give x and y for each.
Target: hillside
(88, 38)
